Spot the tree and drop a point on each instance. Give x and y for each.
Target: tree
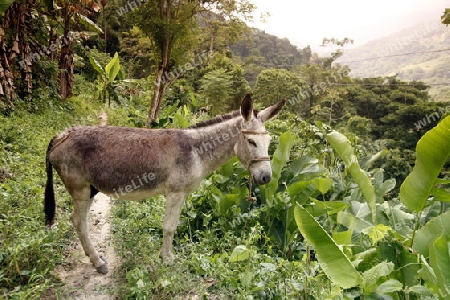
(275, 84)
(168, 23)
(216, 88)
(320, 81)
(257, 51)
(172, 25)
(15, 46)
(445, 19)
(239, 85)
(223, 23)
(328, 61)
(331, 109)
(69, 9)
(135, 50)
(28, 34)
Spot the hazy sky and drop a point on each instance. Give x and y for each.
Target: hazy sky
(307, 22)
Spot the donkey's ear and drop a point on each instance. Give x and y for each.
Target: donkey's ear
(271, 111)
(247, 108)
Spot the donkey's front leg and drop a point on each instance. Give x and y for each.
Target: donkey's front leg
(174, 203)
(81, 204)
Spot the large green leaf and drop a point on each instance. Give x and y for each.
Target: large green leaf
(97, 67)
(389, 286)
(330, 207)
(241, 253)
(279, 160)
(306, 166)
(323, 184)
(426, 234)
(440, 262)
(432, 152)
(426, 273)
(332, 260)
(227, 201)
(88, 23)
(352, 222)
(440, 195)
(378, 271)
(342, 146)
(386, 187)
(406, 262)
(301, 191)
(298, 187)
(113, 67)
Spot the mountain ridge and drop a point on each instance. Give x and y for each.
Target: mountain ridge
(418, 53)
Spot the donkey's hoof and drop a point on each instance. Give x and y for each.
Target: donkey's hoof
(103, 269)
(103, 258)
(168, 259)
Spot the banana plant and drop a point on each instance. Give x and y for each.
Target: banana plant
(432, 240)
(334, 252)
(397, 260)
(106, 79)
(292, 182)
(432, 151)
(342, 146)
(332, 260)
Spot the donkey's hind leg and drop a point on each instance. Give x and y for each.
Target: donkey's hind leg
(82, 202)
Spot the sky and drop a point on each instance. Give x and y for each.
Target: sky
(308, 22)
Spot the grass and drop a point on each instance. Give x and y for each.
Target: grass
(29, 252)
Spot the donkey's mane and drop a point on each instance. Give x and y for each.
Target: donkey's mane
(219, 119)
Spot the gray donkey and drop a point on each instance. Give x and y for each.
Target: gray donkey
(136, 163)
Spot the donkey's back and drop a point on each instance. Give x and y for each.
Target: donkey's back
(118, 160)
(126, 163)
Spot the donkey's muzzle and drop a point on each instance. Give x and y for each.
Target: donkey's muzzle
(263, 178)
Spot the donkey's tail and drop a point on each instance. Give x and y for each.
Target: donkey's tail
(49, 202)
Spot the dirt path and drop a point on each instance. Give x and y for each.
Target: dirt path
(81, 279)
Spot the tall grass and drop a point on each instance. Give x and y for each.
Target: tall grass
(29, 252)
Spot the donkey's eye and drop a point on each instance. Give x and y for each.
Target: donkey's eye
(252, 142)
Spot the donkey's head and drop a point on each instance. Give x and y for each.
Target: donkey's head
(253, 144)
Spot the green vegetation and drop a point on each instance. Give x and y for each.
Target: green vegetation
(322, 228)
(28, 251)
(106, 78)
(357, 207)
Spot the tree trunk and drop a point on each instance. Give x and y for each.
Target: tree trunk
(163, 69)
(52, 43)
(15, 48)
(158, 94)
(6, 77)
(66, 69)
(212, 39)
(66, 60)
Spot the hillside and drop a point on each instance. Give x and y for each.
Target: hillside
(257, 50)
(413, 54)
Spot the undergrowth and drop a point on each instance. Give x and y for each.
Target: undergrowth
(29, 252)
(210, 264)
